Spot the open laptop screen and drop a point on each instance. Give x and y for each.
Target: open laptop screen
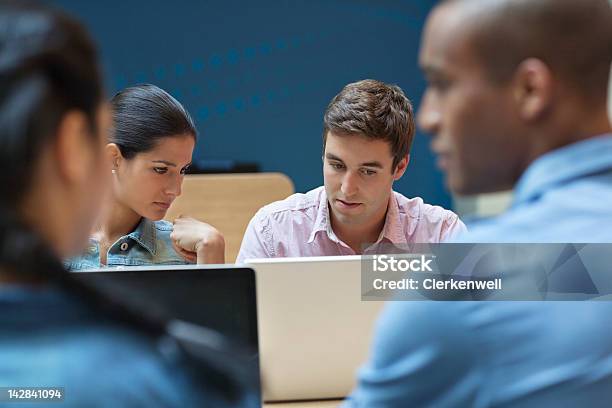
(220, 298)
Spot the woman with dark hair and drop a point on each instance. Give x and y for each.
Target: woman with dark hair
(149, 152)
(56, 331)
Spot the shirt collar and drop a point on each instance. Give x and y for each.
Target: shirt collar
(560, 166)
(392, 230)
(322, 222)
(144, 234)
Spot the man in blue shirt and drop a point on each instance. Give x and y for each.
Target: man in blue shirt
(516, 97)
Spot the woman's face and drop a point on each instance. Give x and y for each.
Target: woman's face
(149, 182)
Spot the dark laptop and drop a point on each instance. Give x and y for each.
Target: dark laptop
(217, 297)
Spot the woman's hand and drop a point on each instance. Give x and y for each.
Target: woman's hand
(197, 241)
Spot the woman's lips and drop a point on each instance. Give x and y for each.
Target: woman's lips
(163, 206)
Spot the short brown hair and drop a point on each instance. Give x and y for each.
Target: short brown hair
(375, 110)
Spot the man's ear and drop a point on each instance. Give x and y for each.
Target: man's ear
(74, 147)
(401, 167)
(533, 88)
(113, 155)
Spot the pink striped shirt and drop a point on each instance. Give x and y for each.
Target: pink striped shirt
(300, 226)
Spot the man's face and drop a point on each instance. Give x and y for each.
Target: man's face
(471, 119)
(358, 178)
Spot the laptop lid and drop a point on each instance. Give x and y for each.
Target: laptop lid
(314, 329)
(217, 297)
(211, 299)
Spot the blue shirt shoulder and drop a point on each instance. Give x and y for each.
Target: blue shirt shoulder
(487, 354)
(525, 354)
(562, 197)
(50, 339)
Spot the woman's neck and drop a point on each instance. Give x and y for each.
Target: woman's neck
(116, 221)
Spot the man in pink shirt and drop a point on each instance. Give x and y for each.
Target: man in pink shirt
(367, 133)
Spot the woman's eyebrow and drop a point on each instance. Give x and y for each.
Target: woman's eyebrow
(164, 162)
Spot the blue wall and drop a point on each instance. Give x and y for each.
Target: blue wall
(257, 76)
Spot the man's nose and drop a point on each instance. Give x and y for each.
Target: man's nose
(429, 116)
(350, 184)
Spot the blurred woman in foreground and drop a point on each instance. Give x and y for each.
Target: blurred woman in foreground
(57, 332)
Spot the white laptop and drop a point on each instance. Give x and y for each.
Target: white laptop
(314, 329)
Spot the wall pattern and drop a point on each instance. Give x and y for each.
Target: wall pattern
(257, 76)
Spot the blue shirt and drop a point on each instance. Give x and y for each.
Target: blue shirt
(148, 244)
(49, 339)
(526, 354)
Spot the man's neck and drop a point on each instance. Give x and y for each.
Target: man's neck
(355, 236)
(571, 128)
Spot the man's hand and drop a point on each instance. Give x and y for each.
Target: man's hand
(197, 241)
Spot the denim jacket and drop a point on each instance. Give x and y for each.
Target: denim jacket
(148, 244)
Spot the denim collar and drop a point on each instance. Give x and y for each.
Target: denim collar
(575, 161)
(144, 234)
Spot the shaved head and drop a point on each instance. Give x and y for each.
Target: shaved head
(511, 80)
(572, 37)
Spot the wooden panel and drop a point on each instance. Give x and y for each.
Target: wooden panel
(229, 201)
